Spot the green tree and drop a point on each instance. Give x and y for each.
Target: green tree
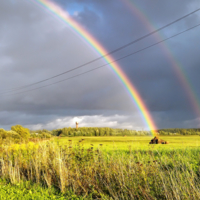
(23, 132)
(3, 133)
(13, 134)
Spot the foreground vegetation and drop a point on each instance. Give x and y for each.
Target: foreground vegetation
(31, 192)
(102, 167)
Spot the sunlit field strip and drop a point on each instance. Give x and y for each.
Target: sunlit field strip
(135, 142)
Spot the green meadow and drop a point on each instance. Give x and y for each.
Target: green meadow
(109, 167)
(110, 143)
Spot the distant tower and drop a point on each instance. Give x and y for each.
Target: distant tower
(76, 125)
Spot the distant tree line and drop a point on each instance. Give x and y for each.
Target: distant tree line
(179, 131)
(96, 131)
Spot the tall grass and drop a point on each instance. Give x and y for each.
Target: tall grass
(131, 174)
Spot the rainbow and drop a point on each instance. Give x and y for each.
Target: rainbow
(181, 74)
(63, 15)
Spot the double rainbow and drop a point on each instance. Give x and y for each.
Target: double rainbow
(181, 74)
(99, 48)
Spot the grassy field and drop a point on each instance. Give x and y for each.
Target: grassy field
(136, 142)
(102, 168)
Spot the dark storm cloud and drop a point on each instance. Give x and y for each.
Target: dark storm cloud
(151, 68)
(34, 46)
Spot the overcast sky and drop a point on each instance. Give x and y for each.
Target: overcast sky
(35, 45)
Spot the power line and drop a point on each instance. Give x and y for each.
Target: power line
(111, 52)
(106, 63)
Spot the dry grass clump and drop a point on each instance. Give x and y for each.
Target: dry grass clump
(118, 175)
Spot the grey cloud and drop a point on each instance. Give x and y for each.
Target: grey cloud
(113, 121)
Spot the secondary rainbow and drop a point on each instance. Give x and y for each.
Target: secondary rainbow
(184, 80)
(99, 48)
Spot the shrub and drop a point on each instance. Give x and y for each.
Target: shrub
(3, 133)
(45, 135)
(23, 132)
(13, 134)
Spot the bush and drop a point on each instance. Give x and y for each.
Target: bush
(23, 132)
(3, 133)
(45, 135)
(13, 134)
(41, 135)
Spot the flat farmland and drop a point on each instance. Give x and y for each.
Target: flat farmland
(134, 142)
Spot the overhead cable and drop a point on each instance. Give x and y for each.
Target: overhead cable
(128, 55)
(109, 53)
